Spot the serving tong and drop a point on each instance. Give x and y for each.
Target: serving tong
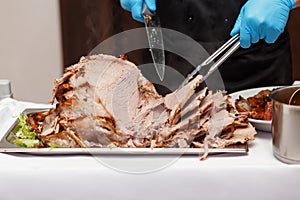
(213, 62)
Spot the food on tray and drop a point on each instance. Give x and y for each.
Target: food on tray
(104, 101)
(258, 106)
(24, 135)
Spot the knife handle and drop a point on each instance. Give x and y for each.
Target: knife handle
(146, 11)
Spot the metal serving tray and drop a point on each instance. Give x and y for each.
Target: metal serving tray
(7, 147)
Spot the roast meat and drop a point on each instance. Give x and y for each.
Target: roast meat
(104, 101)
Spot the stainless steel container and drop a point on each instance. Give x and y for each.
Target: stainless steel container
(5, 89)
(285, 125)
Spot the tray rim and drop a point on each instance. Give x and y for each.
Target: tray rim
(123, 151)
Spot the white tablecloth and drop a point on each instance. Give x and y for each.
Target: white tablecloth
(256, 175)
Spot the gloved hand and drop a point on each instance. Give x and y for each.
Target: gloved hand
(136, 7)
(262, 19)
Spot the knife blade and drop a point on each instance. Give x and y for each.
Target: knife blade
(155, 39)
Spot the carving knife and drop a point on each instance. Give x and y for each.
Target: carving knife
(155, 39)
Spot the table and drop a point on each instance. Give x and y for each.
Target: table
(256, 175)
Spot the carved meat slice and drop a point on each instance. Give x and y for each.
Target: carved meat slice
(194, 102)
(240, 135)
(176, 100)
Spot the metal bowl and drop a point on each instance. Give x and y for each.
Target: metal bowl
(285, 125)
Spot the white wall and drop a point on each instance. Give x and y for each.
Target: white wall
(30, 47)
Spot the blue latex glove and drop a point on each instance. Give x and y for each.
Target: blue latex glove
(136, 7)
(262, 19)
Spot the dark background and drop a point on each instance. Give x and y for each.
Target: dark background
(86, 23)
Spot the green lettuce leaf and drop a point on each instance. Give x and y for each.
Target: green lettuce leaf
(28, 143)
(23, 134)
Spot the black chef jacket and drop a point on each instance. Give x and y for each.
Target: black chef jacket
(209, 22)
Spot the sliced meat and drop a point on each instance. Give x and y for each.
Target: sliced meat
(176, 100)
(268, 111)
(62, 140)
(104, 101)
(242, 105)
(194, 103)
